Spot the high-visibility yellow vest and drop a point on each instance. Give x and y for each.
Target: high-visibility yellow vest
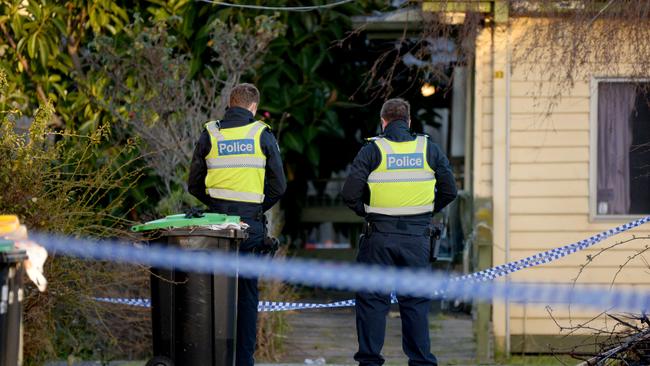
(236, 163)
(403, 183)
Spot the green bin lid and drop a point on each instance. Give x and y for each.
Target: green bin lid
(6, 245)
(179, 221)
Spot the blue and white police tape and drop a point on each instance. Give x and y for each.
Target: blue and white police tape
(490, 273)
(370, 278)
(550, 255)
(262, 306)
(484, 275)
(142, 303)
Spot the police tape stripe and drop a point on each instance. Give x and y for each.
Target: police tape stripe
(358, 277)
(550, 255)
(263, 306)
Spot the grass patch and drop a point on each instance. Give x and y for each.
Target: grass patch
(535, 360)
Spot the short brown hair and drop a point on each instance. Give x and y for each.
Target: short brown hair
(396, 108)
(243, 95)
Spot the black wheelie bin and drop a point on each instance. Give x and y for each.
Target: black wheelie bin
(194, 315)
(11, 306)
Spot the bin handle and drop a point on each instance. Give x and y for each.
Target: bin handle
(194, 213)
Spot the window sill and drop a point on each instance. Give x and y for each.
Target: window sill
(615, 218)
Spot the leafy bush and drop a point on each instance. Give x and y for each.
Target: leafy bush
(61, 182)
(273, 326)
(142, 79)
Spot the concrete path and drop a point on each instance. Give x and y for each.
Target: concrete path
(331, 336)
(328, 337)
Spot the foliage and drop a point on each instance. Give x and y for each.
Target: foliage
(533, 360)
(614, 339)
(60, 185)
(55, 183)
(272, 326)
(306, 114)
(126, 86)
(588, 39)
(574, 40)
(116, 103)
(147, 89)
(43, 44)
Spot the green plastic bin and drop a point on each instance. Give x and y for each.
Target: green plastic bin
(181, 221)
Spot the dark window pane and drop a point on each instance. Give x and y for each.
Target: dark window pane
(640, 155)
(623, 179)
(615, 105)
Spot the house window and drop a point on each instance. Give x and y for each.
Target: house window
(623, 148)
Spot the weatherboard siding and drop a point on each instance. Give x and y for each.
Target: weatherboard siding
(548, 192)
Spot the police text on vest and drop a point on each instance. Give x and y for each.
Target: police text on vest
(236, 147)
(405, 161)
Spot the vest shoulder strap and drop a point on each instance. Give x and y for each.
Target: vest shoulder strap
(265, 124)
(375, 138)
(213, 128)
(383, 144)
(371, 140)
(215, 122)
(421, 141)
(257, 126)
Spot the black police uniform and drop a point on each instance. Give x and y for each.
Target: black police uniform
(252, 213)
(402, 241)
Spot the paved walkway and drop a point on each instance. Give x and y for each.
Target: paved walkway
(328, 337)
(331, 336)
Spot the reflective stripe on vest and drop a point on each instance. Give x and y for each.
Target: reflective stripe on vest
(400, 211)
(403, 183)
(244, 162)
(235, 196)
(385, 177)
(236, 163)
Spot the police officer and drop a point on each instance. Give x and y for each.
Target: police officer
(237, 170)
(397, 181)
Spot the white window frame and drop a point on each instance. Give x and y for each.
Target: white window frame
(593, 149)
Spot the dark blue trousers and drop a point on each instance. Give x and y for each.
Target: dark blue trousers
(401, 250)
(248, 298)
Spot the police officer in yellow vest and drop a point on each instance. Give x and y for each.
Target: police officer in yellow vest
(237, 170)
(397, 181)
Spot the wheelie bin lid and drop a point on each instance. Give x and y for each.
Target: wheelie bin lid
(6, 245)
(181, 221)
(9, 254)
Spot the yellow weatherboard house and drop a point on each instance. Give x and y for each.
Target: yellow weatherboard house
(548, 176)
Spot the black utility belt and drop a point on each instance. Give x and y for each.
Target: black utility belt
(370, 227)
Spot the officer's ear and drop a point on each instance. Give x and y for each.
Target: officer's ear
(252, 108)
(384, 123)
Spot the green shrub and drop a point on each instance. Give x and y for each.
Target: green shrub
(272, 327)
(66, 183)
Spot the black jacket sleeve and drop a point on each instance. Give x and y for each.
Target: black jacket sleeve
(445, 182)
(199, 169)
(275, 183)
(355, 188)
